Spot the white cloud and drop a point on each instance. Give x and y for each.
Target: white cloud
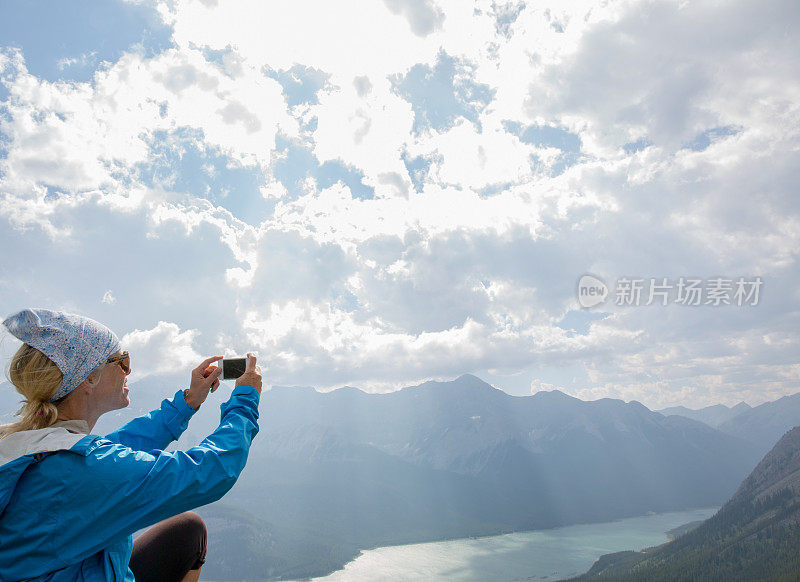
(80, 136)
(424, 16)
(83, 60)
(618, 80)
(436, 282)
(303, 340)
(367, 131)
(344, 39)
(161, 350)
(539, 386)
(475, 159)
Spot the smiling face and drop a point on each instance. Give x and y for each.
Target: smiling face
(111, 393)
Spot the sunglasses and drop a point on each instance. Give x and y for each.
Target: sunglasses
(124, 361)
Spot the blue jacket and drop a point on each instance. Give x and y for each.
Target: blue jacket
(69, 503)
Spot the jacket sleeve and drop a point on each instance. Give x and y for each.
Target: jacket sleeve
(124, 490)
(156, 429)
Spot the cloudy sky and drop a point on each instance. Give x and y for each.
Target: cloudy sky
(383, 192)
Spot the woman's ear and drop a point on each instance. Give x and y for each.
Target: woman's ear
(81, 391)
(85, 388)
(91, 382)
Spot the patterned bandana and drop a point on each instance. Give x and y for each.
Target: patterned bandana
(75, 343)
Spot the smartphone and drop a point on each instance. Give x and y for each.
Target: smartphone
(232, 368)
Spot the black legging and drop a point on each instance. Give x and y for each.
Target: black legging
(168, 550)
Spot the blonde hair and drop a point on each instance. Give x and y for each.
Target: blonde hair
(37, 378)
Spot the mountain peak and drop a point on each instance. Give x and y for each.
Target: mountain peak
(469, 379)
(345, 391)
(555, 395)
(639, 405)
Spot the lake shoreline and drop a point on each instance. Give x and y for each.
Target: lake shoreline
(512, 537)
(436, 539)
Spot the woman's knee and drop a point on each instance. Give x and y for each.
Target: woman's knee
(192, 524)
(199, 533)
(193, 520)
(170, 548)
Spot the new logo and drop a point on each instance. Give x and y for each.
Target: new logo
(591, 291)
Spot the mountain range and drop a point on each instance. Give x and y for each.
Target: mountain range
(333, 473)
(713, 415)
(762, 425)
(347, 470)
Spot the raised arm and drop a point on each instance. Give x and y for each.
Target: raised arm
(157, 429)
(128, 490)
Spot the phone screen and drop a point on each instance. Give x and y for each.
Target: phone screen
(233, 368)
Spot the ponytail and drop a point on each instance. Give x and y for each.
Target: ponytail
(36, 377)
(33, 415)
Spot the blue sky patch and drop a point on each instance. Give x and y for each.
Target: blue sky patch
(418, 169)
(180, 163)
(4, 95)
(51, 193)
(559, 165)
(505, 16)
(334, 171)
(579, 321)
(292, 168)
(300, 84)
(636, 146)
(545, 136)
(493, 189)
(565, 160)
(704, 140)
(442, 94)
(70, 39)
(5, 140)
(217, 57)
(344, 300)
(299, 162)
(310, 126)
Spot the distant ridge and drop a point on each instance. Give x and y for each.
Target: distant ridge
(766, 423)
(712, 415)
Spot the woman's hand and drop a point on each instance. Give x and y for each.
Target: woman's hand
(204, 379)
(252, 374)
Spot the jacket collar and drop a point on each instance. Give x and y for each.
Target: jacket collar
(74, 426)
(43, 440)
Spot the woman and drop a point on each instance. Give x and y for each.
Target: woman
(70, 500)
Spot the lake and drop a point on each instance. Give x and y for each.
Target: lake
(534, 555)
